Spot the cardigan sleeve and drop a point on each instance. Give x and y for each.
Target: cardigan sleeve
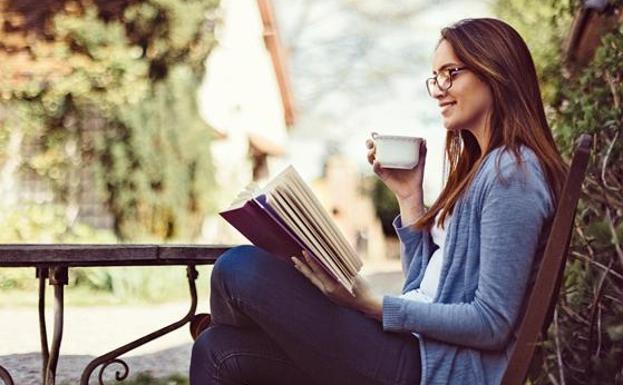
(513, 212)
(414, 248)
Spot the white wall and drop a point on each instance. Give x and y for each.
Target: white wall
(240, 95)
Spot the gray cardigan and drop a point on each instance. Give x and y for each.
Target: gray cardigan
(497, 233)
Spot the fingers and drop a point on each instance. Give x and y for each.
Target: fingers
(328, 284)
(318, 271)
(307, 272)
(371, 151)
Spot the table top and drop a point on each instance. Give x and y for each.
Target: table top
(41, 255)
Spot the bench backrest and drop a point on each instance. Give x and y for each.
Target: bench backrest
(544, 293)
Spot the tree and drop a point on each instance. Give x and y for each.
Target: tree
(100, 97)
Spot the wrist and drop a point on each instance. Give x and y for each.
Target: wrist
(414, 200)
(411, 209)
(373, 308)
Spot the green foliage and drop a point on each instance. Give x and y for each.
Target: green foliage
(49, 224)
(101, 99)
(584, 343)
(40, 224)
(46, 223)
(148, 379)
(385, 204)
(138, 284)
(543, 25)
(112, 95)
(591, 102)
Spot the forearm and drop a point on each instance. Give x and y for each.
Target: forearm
(466, 324)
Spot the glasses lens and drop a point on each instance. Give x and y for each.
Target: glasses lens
(430, 85)
(445, 82)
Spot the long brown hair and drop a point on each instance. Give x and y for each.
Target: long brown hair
(497, 54)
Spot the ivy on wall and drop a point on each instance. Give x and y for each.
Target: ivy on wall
(101, 97)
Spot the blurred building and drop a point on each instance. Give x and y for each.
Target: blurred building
(340, 192)
(246, 97)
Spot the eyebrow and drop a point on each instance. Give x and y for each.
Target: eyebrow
(447, 65)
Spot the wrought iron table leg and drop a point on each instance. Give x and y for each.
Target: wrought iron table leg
(42, 275)
(58, 278)
(5, 376)
(111, 357)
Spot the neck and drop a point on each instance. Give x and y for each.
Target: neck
(482, 132)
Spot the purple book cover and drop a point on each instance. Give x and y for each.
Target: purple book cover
(257, 224)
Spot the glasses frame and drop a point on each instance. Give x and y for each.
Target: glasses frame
(448, 76)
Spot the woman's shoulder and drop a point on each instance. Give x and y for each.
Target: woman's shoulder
(520, 172)
(504, 167)
(504, 162)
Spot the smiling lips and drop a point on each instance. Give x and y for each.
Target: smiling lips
(445, 107)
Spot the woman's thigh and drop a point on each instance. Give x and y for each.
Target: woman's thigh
(333, 344)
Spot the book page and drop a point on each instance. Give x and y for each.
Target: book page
(318, 232)
(250, 191)
(304, 192)
(294, 203)
(310, 201)
(289, 216)
(299, 217)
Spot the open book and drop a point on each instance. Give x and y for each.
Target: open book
(285, 217)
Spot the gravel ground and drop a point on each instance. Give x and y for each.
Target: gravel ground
(92, 331)
(26, 368)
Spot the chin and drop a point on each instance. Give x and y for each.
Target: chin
(450, 126)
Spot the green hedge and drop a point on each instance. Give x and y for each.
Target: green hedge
(111, 94)
(585, 344)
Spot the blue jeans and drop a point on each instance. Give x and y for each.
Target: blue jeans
(271, 326)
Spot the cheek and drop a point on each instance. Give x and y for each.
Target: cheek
(475, 102)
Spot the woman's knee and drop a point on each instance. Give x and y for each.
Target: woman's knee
(231, 262)
(240, 266)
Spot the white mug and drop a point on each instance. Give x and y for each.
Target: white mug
(393, 151)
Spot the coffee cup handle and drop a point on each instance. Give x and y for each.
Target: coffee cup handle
(375, 135)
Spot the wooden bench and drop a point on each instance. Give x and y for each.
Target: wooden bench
(544, 293)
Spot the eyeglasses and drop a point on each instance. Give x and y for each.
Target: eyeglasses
(443, 79)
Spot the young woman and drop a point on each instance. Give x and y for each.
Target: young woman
(468, 260)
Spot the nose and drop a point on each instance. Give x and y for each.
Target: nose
(437, 93)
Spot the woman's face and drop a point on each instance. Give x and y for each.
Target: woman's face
(466, 105)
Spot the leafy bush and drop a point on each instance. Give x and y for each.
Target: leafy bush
(585, 344)
(102, 97)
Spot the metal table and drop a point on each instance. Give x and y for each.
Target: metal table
(52, 262)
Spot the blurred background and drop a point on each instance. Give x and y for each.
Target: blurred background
(136, 121)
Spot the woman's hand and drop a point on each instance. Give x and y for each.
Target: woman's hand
(405, 184)
(363, 300)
